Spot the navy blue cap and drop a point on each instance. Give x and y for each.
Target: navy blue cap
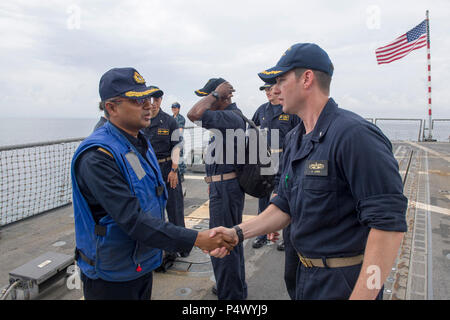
(176, 105)
(300, 55)
(157, 92)
(209, 87)
(265, 86)
(124, 82)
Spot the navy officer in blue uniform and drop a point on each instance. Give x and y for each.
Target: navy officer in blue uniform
(270, 116)
(340, 188)
(119, 197)
(181, 124)
(226, 198)
(165, 138)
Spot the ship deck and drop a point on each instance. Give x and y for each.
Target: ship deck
(420, 271)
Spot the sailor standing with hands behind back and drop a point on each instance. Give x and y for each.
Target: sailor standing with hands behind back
(165, 137)
(181, 124)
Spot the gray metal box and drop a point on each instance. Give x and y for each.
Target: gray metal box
(42, 268)
(38, 274)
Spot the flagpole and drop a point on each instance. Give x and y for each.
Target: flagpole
(430, 121)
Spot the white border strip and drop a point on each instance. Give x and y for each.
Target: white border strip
(429, 234)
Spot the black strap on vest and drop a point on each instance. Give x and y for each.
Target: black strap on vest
(98, 231)
(253, 125)
(79, 253)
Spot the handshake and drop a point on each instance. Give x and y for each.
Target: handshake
(220, 241)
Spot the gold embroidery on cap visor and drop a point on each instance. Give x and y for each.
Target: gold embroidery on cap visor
(203, 93)
(138, 78)
(271, 72)
(140, 94)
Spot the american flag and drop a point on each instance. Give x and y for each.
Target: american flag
(414, 39)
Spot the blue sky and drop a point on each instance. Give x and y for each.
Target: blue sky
(53, 53)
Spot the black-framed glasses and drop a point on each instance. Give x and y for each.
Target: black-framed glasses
(140, 102)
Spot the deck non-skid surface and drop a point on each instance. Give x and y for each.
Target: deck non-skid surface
(420, 272)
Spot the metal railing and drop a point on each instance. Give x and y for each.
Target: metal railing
(441, 129)
(402, 133)
(35, 178)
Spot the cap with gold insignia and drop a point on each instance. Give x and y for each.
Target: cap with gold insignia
(157, 92)
(125, 82)
(209, 87)
(300, 55)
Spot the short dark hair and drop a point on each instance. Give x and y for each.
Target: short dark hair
(323, 79)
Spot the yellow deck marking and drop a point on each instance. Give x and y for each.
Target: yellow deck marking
(203, 213)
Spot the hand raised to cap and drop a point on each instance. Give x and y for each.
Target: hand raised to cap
(208, 243)
(225, 90)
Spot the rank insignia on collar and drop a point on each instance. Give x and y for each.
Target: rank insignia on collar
(284, 117)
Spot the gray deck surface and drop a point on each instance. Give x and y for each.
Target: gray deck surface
(421, 270)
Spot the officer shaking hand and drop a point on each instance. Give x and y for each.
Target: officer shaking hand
(340, 188)
(119, 197)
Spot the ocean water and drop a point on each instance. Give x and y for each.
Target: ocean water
(38, 179)
(21, 131)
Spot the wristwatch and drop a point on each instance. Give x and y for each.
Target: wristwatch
(239, 233)
(215, 94)
(174, 170)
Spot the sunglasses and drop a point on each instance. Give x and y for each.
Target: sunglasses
(139, 102)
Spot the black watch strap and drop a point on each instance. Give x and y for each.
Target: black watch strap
(215, 94)
(239, 233)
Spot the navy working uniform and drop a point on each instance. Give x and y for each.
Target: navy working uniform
(118, 198)
(269, 116)
(336, 183)
(226, 198)
(159, 133)
(181, 124)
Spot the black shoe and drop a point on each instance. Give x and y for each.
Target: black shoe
(280, 246)
(167, 263)
(214, 289)
(258, 243)
(184, 254)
